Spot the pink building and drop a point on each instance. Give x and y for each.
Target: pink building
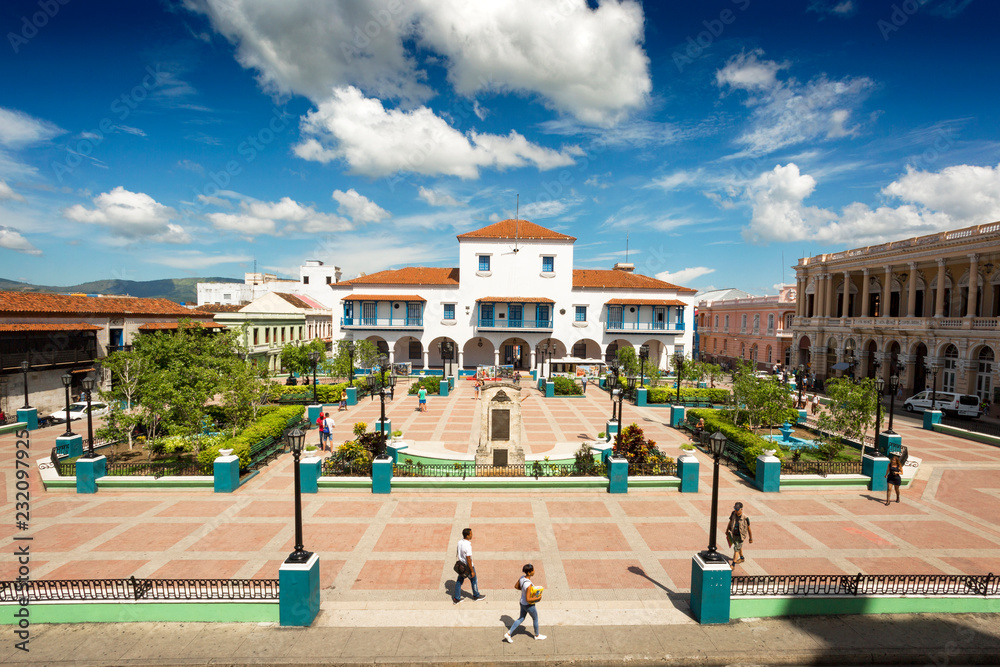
(756, 329)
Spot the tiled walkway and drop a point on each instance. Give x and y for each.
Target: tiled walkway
(591, 551)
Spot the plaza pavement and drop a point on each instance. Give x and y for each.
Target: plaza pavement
(616, 568)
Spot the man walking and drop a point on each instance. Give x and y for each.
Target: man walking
(464, 554)
(737, 532)
(328, 426)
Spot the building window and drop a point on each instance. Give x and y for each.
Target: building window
(548, 264)
(256, 335)
(484, 262)
(727, 321)
(449, 311)
(300, 333)
(415, 351)
(267, 334)
(227, 297)
(716, 320)
(329, 280)
(305, 280)
(743, 322)
(756, 322)
(770, 323)
(580, 350)
(581, 313)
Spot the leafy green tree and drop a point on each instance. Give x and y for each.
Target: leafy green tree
(245, 390)
(366, 355)
(628, 361)
(759, 400)
(295, 358)
(852, 408)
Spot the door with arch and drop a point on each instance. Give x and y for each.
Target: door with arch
(984, 374)
(950, 372)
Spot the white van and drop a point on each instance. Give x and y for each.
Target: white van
(963, 405)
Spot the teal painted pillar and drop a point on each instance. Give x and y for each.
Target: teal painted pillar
(387, 427)
(226, 470)
(309, 471)
(617, 475)
(687, 470)
(600, 382)
(442, 387)
(931, 417)
(803, 416)
(611, 428)
(606, 454)
(702, 385)
(382, 476)
(875, 467)
(711, 583)
(890, 444)
(676, 415)
(394, 450)
(541, 384)
(69, 445)
(534, 374)
(768, 477)
(312, 414)
(29, 416)
(451, 382)
(298, 592)
(640, 397)
(550, 389)
(88, 471)
(352, 395)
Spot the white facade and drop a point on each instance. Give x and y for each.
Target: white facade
(507, 304)
(314, 277)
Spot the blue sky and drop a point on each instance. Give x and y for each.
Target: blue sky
(726, 138)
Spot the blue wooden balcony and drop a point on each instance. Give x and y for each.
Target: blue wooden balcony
(521, 325)
(390, 323)
(645, 327)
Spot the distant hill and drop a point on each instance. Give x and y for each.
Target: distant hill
(179, 290)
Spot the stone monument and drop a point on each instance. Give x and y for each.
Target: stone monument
(500, 426)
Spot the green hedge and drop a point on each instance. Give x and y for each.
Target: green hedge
(669, 395)
(432, 384)
(566, 387)
(718, 420)
(271, 424)
(326, 393)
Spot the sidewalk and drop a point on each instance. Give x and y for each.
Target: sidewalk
(840, 640)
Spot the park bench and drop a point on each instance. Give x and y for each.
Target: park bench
(264, 451)
(734, 454)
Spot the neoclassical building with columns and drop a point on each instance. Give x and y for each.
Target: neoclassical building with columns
(903, 307)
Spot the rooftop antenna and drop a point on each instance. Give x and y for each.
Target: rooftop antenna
(517, 225)
(626, 247)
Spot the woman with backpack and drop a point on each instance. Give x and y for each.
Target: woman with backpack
(530, 595)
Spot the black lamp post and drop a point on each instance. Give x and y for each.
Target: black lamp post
(313, 361)
(717, 443)
(350, 353)
(893, 386)
(446, 348)
(799, 379)
(24, 369)
(879, 386)
(67, 380)
(88, 386)
(933, 371)
(379, 383)
(679, 369)
(296, 438)
(619, 391)
(643, 355)
(612, 383)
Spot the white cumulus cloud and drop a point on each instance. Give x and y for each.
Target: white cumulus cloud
(785, 113)
(684, 276)
(19, 129)
(131, 216)
(437, 197)
(260, 218)
(957, 196)
(7, 192)
(359, 208)
(11, 239)
(376, 141)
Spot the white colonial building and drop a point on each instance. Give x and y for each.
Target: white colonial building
(314, 276)
(513, 299)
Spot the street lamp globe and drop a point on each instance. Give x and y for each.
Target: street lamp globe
(880, 384)
(717, 443)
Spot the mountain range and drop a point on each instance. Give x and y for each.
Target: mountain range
(180, 290)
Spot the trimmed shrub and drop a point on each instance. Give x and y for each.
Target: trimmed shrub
(669, 395)
(431, 383)
(564, 386)
(270, 424)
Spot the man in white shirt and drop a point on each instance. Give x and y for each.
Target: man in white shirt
(464, 554)
(328, 423)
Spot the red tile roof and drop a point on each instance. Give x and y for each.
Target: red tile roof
(39, 326)
(161, 326)
(515, 299)
(60, 304)
(612, 279)
(410, 275)
(644, 302)
(383, 297)
(294, 300)
(220, 308)
(521, 229)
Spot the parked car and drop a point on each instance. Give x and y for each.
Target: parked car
(950, 403)
(79, 411)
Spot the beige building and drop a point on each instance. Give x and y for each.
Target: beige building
(902, 306)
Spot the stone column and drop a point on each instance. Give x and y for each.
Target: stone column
(819, 292)
(939, 296)
(970, 304)
(831, 308)
(886, 291)
(426, 356)
(911, 297)
(865, 291)
(847, 294)
(392, 356)
(461, 359)
(800, 297)
(533, 359)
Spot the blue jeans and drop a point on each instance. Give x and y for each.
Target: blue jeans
(458, 587)
(525, 610)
